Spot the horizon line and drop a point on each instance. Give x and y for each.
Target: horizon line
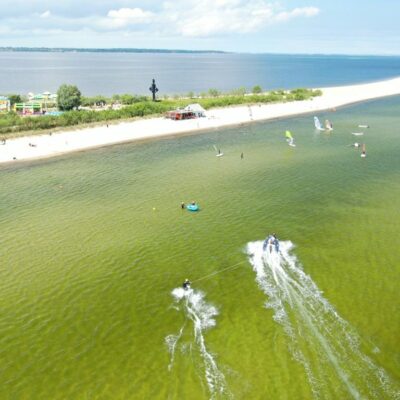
(159, 50)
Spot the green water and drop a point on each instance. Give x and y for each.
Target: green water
(93, 244)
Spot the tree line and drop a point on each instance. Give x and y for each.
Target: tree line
(70, 99)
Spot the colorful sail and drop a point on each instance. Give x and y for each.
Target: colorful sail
(288, 135)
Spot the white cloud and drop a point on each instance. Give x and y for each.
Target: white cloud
(125, 17)
(46, 14)
(214, 17)
(129, 13)
(201, 18)
(170, 19)
(297, 12)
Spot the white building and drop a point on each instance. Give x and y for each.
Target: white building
(196, 109)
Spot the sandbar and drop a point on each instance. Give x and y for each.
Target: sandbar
(43, 146)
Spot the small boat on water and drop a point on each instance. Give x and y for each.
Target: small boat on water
(271, 243)
(357, 133)
(363, 126)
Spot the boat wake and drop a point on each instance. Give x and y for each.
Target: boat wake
(202, 316)
(324, 343)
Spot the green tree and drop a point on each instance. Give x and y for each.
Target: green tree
(100, 100)
(239, 91)
(94, 101)
(14, 98)
(127, 99)
(213, 92)
(257, 89)
(68, 97)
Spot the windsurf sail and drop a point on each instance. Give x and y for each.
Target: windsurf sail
(317, 124)
(219, 153)
(289, 138)
(328, 125)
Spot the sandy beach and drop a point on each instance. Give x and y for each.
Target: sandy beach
(42, 146)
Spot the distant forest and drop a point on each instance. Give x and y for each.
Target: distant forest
(116, 50)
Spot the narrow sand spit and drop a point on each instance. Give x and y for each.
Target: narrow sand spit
(41, 146)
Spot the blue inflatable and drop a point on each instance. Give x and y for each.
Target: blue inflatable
(192, 207)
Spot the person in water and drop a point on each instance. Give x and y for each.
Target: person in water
(182, 205)
(186, 284)
(193, 203)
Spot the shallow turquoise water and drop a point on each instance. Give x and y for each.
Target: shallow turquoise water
(93, 244)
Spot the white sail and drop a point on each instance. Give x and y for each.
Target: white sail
(317, 124)
(219, 153)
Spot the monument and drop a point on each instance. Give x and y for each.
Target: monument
(153, 89)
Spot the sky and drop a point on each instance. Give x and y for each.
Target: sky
(251, 26)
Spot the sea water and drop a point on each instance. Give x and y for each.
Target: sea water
(106, 74)
(94, 244)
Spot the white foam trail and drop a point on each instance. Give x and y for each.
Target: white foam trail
(172, 341)
(202, 315)
(320, 339)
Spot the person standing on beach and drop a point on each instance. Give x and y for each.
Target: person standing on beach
(182, 205)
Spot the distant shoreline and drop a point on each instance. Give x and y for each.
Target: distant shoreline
(27, 49)
(46, 145)
(105, 50)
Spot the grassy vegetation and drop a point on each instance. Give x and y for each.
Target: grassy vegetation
(11, 123)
